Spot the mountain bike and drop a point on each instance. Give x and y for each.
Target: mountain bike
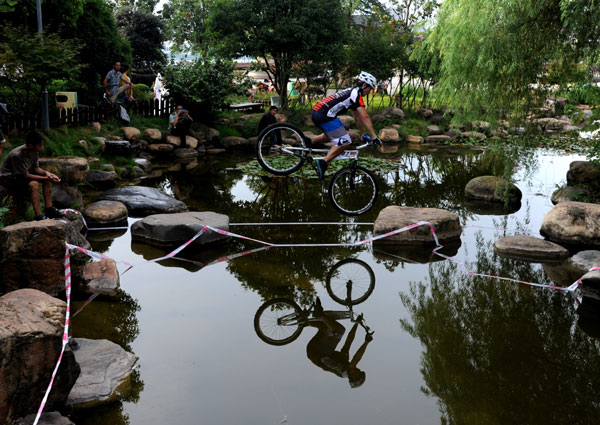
(352, 190)
(281, 320)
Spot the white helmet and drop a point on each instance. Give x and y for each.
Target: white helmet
(365, 77)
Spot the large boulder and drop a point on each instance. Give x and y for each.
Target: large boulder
(161, 148)
(590, 285)
(105, 372)
(31, 329)
(102, 180)
(153, 135)
(234, 142)
(389, 135)
(433, 130)
(64, 196)
(425, 113)
(105, 214)
(414, 139)
(475, 135)
(573, 223)
(143, 201)
(190, 141)
(584, 173)
(33, 256)
(393, 112)
(530, 248)
(347, 121)
(101, 277)
(71, 170)
(446, 224)
(492, 189)
(569, 193)
(583, 261)
(167, 230)
(131, 133)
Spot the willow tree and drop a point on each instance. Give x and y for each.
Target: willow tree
(495, 54)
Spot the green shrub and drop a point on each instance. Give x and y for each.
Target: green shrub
(586, 94)
(142, 92)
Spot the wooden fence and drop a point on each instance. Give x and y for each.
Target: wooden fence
(85, 115)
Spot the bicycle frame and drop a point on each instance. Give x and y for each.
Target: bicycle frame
(306, 153)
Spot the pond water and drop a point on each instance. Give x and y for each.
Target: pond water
(447, 347)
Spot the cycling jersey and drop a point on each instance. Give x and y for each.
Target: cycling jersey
(340, 102)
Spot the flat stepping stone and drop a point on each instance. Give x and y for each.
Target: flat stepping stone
(153, 135)
(473, 135)
(530, 248)
(446, 224)
(119, 147)
(142, 201)
(215, 151)
(166, 230)
(234, 142)
(414, 139)
(583, 261)
(131, 133)
(186, 153)
(438, 138)
(101, 277)
(590, 285)
(389, 135)
(492, 189)
(573, 223)
(105, 214)
(105, 372)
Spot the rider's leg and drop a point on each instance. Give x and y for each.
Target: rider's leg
(122, 89)
(349, 339)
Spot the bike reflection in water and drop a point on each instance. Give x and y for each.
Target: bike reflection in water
(280, 321)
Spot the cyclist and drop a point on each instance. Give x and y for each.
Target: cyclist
(321, 349)
(325, 112)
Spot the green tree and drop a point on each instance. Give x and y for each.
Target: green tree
(283, 32)
(185, 24)
(145, 33)
(495, 54)
(101, 46)
(203, 86)
(138, 5)
(27, 62)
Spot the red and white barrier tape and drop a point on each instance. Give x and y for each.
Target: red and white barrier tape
(65, 338)
(268, 245)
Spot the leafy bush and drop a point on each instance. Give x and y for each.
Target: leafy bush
(586, 94)
(203, 86)
(142, 92)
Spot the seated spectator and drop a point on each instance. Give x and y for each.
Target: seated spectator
(112, 83)
(22, 176)
(268, 119)
(128, 94)
(179, 124)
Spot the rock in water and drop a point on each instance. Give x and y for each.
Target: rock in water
(142, 201)
(175, 229)
(31, 328)
(105, 372)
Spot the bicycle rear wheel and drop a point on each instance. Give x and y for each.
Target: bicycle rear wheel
(350, 281)
(280, 159)
(278, 321)
(353, 190)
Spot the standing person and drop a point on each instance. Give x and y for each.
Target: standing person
(22, 176)
(179, 124)
(128, 94)
(325, 112)
(112, 82)
(268, 119)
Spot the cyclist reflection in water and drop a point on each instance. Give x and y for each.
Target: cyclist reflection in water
(321, 348)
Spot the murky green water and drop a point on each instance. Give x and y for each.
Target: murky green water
(447, 347)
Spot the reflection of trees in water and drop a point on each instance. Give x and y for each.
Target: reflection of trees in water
(108, 318)
(498, 352)
(438, 180)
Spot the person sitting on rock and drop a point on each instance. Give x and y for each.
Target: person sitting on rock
(22, 176)
(268, 119)
(179, 124)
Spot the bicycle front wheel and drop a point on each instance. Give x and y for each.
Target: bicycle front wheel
(280, 149)
(278, 321)
(353, 190)
(350, 281)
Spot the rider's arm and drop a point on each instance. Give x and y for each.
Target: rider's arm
(363, 121)
(106, 86)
